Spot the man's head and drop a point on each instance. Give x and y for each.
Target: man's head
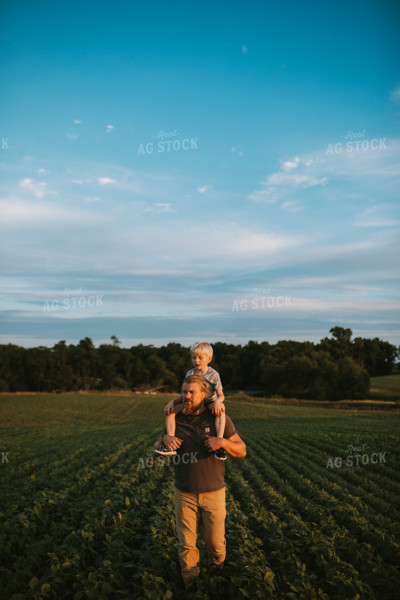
(194, 391)
(201, 353)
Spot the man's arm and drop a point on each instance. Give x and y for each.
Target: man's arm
(234, 445)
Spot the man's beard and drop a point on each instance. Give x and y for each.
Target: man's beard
(189, 408)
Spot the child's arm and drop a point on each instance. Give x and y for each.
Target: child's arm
(220, 396)
(169, 408)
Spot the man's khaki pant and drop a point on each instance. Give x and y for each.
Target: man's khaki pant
(207, 511)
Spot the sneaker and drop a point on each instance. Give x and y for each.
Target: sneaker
(220, 454)
(164, 450)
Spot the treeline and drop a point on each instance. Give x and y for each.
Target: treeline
(337, 367)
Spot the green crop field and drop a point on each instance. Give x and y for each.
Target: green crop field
(313, 510)
(387, 386)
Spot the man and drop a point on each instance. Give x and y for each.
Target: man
(199, 477)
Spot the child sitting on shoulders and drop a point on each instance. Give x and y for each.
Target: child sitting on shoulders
(201, 354)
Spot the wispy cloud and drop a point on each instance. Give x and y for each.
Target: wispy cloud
(292, 206)
(37, 188)
(294, 180)
(18, 213)
(226, 242)
(164, 206)
(106, 180)
(334, 167)
(237, 150)
(290, 164)
(344, 307)
(373, 217)
(203, 189)
(293, 174)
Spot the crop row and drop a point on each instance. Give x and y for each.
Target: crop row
(351, 493)
(305, 566)
(382, 472)
(330, 518)
(50, 519)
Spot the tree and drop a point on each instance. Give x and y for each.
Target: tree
(38, 369)
(343, 336)
(115, 341)
(106, 372)
(316, 375)
(339, 344)
(376, 356)
(12, 369)
(84, 363)
(62, 375)
(177, 360)
(227, 362)
(335, 368)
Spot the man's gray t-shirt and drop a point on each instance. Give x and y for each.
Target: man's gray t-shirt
(213, 380)
(196, 469)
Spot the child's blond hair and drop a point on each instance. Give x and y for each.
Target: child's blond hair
(201, 348)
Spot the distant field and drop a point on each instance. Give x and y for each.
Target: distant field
(385, 387)
(86, 513)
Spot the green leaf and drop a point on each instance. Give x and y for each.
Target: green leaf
(34, 583)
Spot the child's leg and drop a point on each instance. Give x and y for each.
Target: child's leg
(220, 425)
(170, 424)
(170, 420)
(220, 428)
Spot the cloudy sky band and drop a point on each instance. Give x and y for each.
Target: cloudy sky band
(288, 181)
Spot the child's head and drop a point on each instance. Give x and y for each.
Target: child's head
(201, 354)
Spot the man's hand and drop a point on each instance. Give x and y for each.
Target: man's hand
(171, 441)
(217, 407)
(234, 445)
(214, 443)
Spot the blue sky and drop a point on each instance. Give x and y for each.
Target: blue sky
(199, 170)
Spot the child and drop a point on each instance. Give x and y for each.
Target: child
(201, 354)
